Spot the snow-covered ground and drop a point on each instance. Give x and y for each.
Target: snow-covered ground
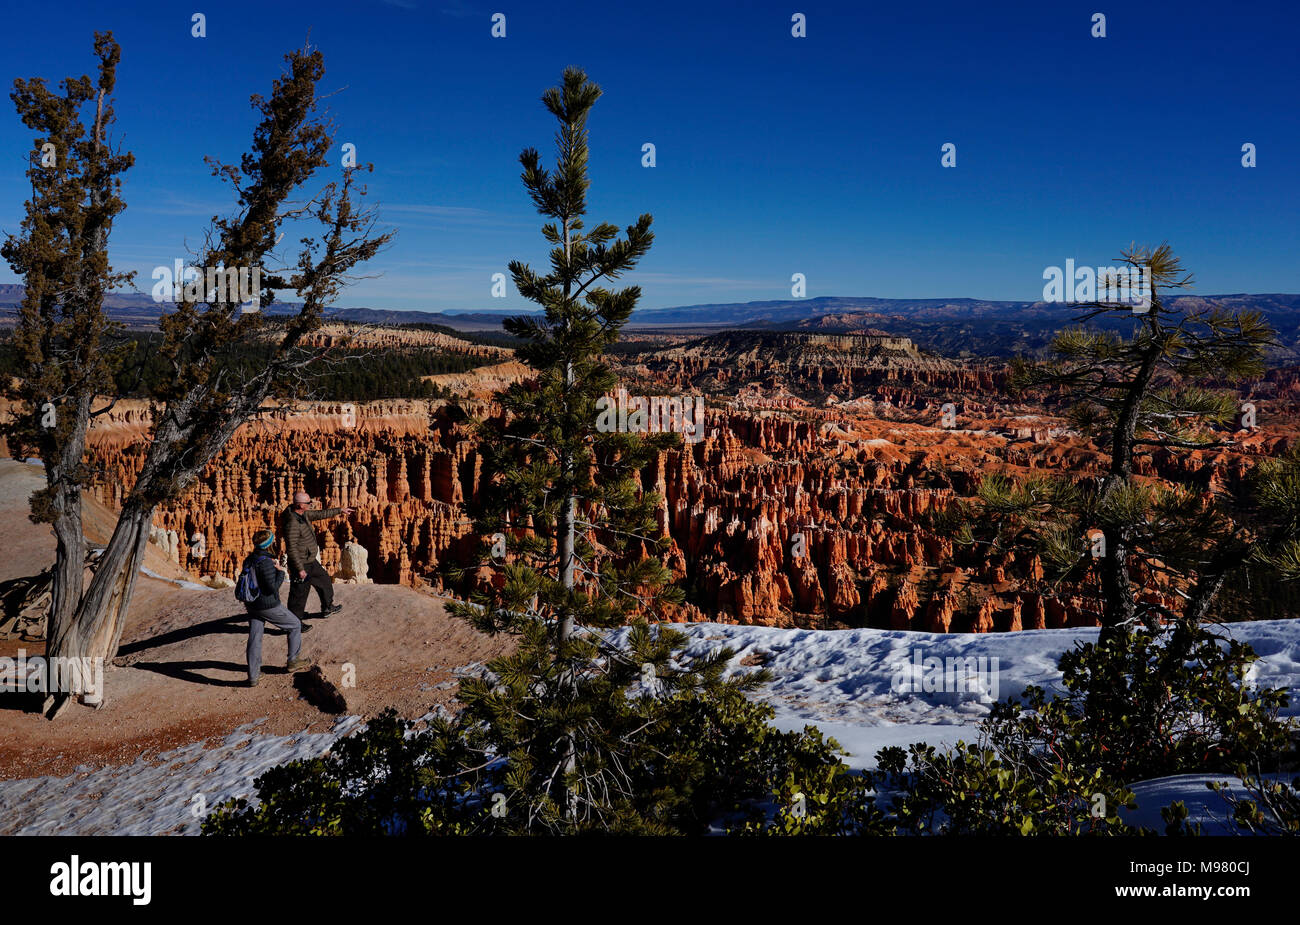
(178, 582)
(171, 793)
(866, 688)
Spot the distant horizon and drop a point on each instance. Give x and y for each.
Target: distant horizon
(529, 307)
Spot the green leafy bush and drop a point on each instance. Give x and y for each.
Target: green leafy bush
(974, 790)
(1137, 707)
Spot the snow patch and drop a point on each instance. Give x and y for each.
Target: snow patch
(178, 582)
(170, 793)
(842, 681)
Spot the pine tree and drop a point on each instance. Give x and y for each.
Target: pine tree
(1159, 390)
(570, 706)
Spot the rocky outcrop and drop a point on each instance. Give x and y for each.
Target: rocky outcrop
(354, 565)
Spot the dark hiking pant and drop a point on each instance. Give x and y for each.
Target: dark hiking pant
(316, 578)
(257, 620)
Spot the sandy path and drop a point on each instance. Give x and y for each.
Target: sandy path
(29, 547)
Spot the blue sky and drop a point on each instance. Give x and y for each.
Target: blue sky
(775, 155)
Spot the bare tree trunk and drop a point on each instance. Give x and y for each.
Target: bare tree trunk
(568, 560)
(96, 629)
(569, 515)
(69, 575)
(568, 538)
(1119, 603)
(104, 607)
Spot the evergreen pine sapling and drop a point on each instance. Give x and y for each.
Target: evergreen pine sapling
(571, 707)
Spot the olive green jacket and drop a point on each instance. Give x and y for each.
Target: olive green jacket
(300, 538)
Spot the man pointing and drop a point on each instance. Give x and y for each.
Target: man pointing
(305, 572)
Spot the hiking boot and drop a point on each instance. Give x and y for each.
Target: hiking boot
(252, 682)
(333, 608)
(295, 663)
(306, 627)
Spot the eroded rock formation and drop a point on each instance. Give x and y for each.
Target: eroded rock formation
(805, 502)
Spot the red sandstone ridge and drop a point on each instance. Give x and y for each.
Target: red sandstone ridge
(482, 382)
(354, 336)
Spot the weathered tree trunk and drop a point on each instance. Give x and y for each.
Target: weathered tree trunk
(1119, 603)
(570, 513)
(567, 560)
(96, 629)
(69, 575)
(103, 609)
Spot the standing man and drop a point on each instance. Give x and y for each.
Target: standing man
(305, 572)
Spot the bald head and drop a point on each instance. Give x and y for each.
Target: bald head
(301, 499)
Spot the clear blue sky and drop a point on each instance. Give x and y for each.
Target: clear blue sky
(776, 155)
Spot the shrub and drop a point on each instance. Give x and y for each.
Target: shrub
(696, 755)
(972, 790)
(1135, 707)
(705, 762)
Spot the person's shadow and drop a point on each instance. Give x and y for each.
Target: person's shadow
(236, 624)
(189, 671)
(23, 701)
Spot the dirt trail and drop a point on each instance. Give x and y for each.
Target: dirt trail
(180, 669)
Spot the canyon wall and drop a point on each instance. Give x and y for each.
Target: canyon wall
(807, 502)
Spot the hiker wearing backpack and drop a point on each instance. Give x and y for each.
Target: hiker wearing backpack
(258, 588)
